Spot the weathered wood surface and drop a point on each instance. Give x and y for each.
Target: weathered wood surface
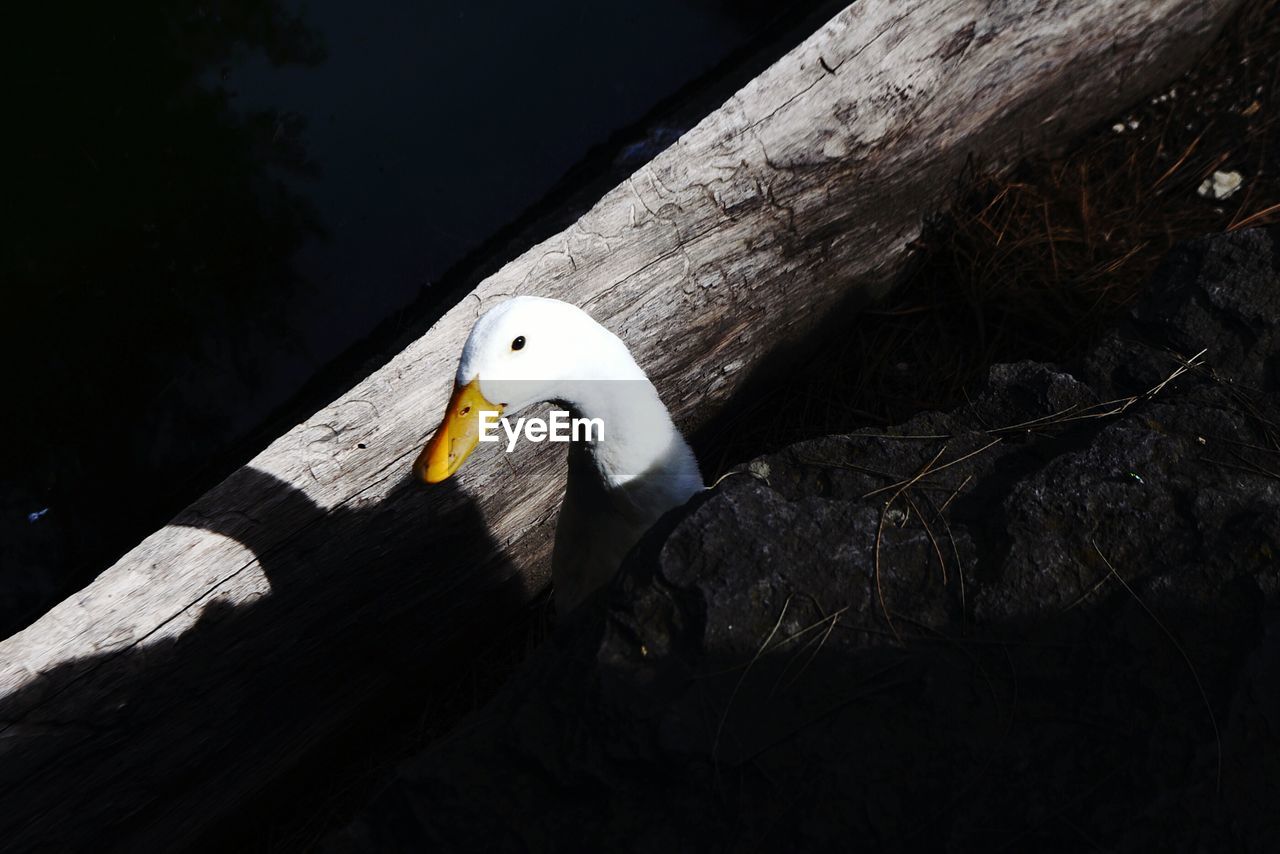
(228, 645)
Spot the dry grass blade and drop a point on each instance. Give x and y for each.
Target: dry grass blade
(724, 716)
(927, 470)
(940, 513)
(884, 512)
(942, 563)
(1256, 218)
(1204, 696)
(830, 621)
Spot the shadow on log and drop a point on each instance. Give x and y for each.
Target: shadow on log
(194, 722)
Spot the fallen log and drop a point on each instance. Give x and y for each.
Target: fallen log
(227, 647)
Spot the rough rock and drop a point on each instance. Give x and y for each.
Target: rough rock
(1047, 621)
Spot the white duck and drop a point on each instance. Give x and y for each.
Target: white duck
(529, 350)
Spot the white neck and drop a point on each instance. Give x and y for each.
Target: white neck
(639, 437)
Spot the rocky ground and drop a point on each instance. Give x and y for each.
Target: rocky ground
(1048, 620)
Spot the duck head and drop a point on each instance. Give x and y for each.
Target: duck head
(525, 351)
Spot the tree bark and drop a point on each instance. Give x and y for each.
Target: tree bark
(231, 644)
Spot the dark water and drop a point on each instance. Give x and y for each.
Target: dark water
(208, 202)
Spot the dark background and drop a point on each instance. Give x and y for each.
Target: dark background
(220, 214)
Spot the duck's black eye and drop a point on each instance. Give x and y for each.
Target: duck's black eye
(518, 344)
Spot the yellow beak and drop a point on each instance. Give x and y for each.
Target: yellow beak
(458, 434)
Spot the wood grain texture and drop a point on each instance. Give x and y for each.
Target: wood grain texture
(301, 591)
